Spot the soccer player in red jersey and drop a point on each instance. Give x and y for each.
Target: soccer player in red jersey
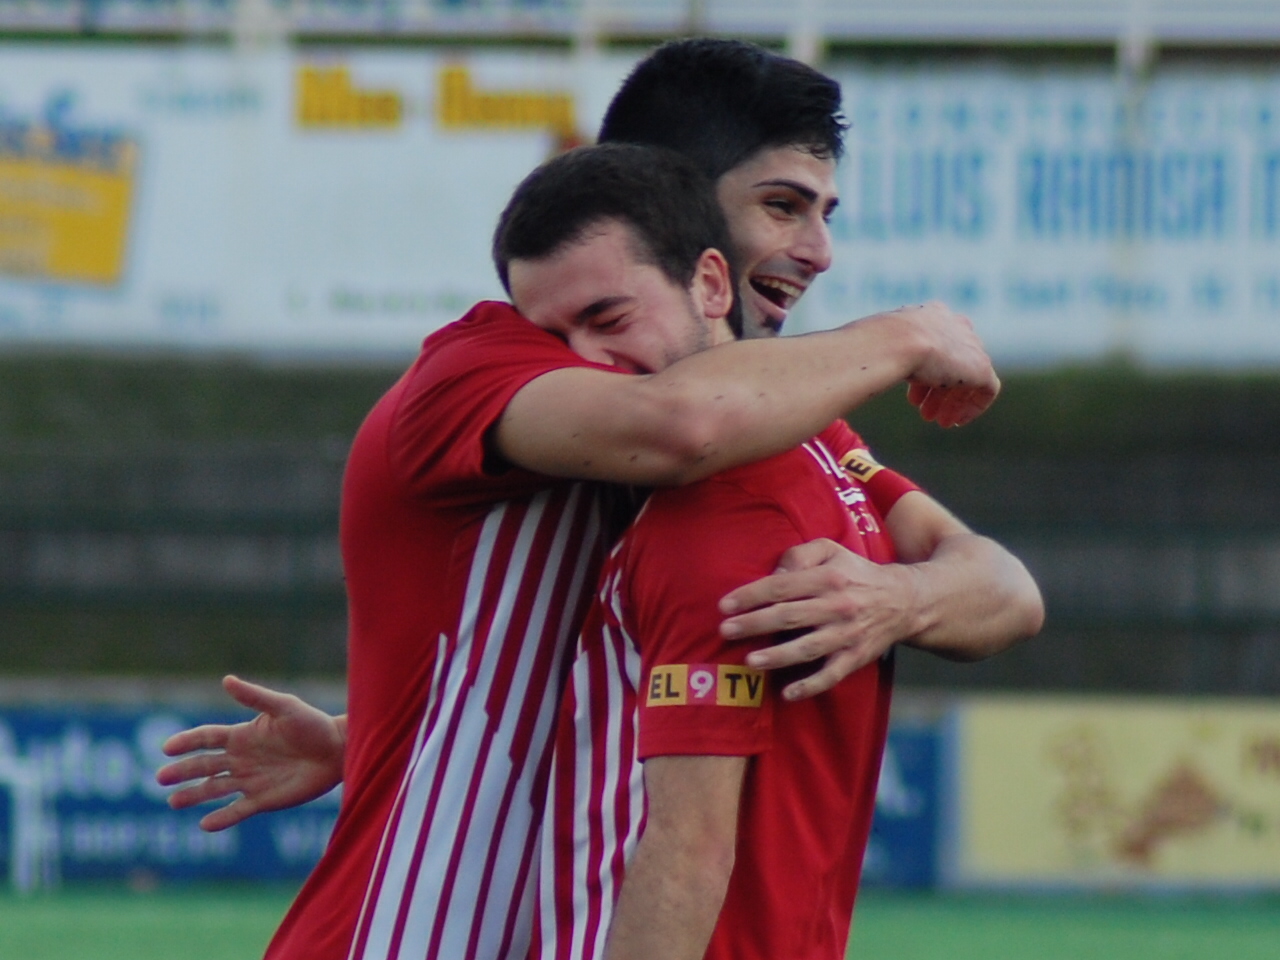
(758, 810)
(428, 885)
(469, 562)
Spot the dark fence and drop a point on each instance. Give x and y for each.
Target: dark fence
(1159, 573)
(160, 516)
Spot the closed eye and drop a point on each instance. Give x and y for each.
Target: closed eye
(607, 323)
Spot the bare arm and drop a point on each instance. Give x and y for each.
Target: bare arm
(973, 598)
(288, 754)
(954, 593)
(677, 880)
(744, 401)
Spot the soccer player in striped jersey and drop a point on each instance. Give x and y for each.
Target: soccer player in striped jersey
(285, 738)
(469, 561)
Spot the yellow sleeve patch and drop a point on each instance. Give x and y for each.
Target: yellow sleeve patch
(704, 684)
(668, 685)
(739, 686)
(860, 465)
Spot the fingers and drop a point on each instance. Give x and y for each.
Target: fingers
(769, 593)
(237, 811)
(916, 393)
(807, 555)
(212, 788)
(951, 406)
(255, 697)
(779, 617)
(804, 649)
(193, 768)
(788, 582)
(837, 667)
(211, 736)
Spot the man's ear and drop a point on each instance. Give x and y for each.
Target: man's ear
(712, 287)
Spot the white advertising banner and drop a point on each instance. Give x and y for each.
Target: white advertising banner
(342, 202)
(1072, 217)
(263, 200)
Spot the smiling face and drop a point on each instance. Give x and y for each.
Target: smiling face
(777, 204)
(599, 296)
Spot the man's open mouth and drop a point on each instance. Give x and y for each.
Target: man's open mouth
(781, 293)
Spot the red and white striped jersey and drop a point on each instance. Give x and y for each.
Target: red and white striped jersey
(595, 801)
(467, 581)
(657, 602)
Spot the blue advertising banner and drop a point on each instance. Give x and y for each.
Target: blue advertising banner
(902, 852)
(104, 816)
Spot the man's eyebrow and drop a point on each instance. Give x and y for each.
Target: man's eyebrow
(600, 306)
(804, 190)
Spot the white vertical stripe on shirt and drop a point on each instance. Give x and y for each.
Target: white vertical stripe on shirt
(442, 833)
(433, 696)
(455, 771)
(488, 825)
(424, 766)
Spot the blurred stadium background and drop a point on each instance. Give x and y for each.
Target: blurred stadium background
(226, 224)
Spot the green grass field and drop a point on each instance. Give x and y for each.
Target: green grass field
(902, 927)
(235, 923)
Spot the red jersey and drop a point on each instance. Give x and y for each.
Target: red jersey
(466, 585)
(652, 676)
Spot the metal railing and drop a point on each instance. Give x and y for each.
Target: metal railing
(1135, 23)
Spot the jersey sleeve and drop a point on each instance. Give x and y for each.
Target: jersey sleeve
(690, 546)
(456, 393)
(884, 487)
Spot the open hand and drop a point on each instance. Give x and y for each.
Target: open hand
(288, 754)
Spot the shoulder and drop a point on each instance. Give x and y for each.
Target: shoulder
(490, 342)
(733, 500)
(841, 438)
(488, 321)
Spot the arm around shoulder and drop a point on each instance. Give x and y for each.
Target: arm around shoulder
(593, 424)
(739, 402)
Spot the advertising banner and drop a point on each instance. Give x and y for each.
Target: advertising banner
(902, 851)
(341, 202)
(266, 200)
(1072, 215)
(102, 816)
(1114, 793)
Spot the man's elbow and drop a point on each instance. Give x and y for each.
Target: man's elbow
(1026, 602)
(1033, 612)
(1024, 618)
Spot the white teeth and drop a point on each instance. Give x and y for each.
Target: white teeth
(791, 290)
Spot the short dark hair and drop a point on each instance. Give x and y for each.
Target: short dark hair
(668, 203)
(719, 102)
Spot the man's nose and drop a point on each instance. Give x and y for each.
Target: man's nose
(813, 246)
(589, 347)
